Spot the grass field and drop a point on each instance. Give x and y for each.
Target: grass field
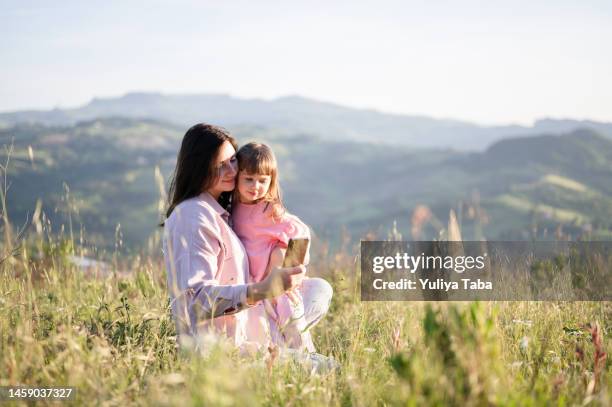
(112, 338)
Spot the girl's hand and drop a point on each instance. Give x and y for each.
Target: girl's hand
(276, 260)
(277, 255)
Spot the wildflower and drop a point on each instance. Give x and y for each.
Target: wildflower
(524, 344)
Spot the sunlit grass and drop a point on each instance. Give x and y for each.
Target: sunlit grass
(113, 338)
(110, 334)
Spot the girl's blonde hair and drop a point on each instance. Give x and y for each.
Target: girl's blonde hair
(258, 159)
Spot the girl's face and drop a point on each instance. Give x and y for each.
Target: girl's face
(252, 187)
(227, 167)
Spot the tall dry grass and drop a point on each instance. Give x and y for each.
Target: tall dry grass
(111, 336)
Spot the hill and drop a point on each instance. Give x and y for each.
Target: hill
(105, 172)
(294, 114)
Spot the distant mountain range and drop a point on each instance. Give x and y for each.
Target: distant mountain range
(295, 114)
(102, 172)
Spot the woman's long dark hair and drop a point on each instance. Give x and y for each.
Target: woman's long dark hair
(195, 165)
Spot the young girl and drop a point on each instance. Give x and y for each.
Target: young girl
(265, 227)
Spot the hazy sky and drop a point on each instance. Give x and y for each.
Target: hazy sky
(485, 61)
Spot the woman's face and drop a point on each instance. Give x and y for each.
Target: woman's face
(227, 168)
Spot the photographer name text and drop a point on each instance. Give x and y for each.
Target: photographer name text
(406, 263)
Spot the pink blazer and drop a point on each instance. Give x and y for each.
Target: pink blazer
(207, 269)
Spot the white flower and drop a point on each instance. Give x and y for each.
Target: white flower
(524, 343)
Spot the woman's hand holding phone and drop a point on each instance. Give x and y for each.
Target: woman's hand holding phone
(285, 279)
(277, 282)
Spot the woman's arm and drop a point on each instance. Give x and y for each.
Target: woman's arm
(209, 299)
(197, 252)
(192, 258)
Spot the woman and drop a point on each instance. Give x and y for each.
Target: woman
(206, 263)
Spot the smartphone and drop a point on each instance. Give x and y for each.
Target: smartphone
(296, 252)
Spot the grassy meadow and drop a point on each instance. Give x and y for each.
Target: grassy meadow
(112, 337)
(109, 333)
